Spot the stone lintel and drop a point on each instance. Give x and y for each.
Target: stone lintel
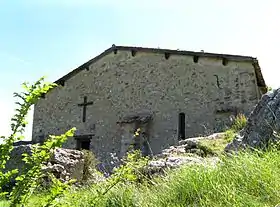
(140, 117)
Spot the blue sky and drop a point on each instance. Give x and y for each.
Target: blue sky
(50, 38)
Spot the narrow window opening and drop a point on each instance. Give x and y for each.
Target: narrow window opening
(115, 51)
(195, 59)
(181, 126)
(166, 55)
(225, 61)
(62, 83)
(133, 53)
(87, 68)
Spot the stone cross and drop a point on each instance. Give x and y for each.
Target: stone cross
(84, 105)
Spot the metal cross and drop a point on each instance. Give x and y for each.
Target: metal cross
(84, 105)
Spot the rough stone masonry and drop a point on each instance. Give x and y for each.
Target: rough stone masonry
(168, 94)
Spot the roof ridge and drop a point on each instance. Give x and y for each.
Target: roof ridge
(186, 52)
(114, 48)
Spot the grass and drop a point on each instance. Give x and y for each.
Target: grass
(213, 146)
(216, 146)
(250, 179)
(238, 124)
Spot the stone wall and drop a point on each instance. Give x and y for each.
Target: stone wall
(208, 92)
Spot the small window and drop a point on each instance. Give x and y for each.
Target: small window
(83, 143)
(181, 126)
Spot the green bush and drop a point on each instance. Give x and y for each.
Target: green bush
(90, 172)
(27, 182)
(239, 122)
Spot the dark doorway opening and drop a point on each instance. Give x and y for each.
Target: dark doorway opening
(83, 142)
(181, 126)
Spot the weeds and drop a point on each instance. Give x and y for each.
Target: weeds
(27, 181)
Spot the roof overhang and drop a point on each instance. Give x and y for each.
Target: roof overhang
(260, 80)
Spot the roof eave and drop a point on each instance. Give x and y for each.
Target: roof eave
(260, 80)
(82, 67)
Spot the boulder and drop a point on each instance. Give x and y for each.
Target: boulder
(172, 162)
(66, 164)
(262, 126)
(187, 152)
(189, 145)
(16, 157)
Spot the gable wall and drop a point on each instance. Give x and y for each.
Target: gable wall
(119, 84)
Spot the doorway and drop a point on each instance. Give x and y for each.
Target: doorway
(83, 142)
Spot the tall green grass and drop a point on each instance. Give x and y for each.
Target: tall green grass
(250, 179)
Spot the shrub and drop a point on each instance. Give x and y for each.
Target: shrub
(90, 163)
(229, 135)
(27, 182)
(239, 122)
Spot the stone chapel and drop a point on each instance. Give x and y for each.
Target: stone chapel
(168, 94)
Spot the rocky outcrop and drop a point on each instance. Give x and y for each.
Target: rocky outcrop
(191, 146)
(262, 126)
(66, 164)
(16, 157)
(187, 152)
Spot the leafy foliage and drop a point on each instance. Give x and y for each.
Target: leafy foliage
(90, 163)
(239, 122)
(269, 88)
(27, 182)
(18, 123)
(57, 190)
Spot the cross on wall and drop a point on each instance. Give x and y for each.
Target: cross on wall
(84, 105)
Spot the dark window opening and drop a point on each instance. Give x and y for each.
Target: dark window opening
(225, 61)
(133, 53)
(62, 83)
(181, 126)
(166, 55)
(195, 59)
(115, 51)
(83, 144)
(87, 68)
